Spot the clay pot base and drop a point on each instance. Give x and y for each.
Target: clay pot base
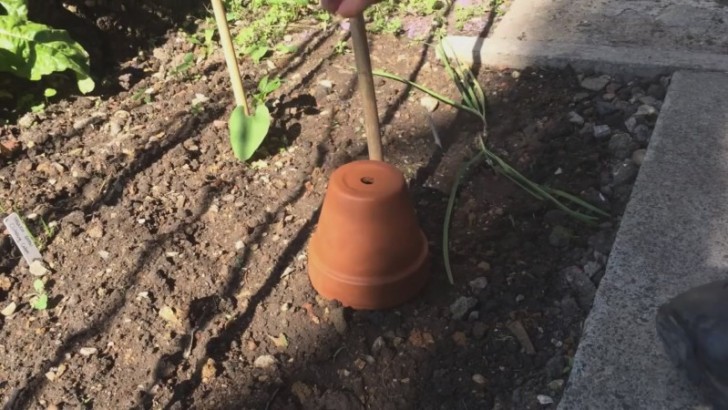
(368, 251)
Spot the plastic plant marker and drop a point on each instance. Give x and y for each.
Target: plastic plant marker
(247, 132)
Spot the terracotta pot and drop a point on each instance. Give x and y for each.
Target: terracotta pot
(368, 251)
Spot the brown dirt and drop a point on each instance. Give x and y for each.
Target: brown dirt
(154, 213)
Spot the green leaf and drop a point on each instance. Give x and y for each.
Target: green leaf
(40, 303)
(248, 132)
(15, 7)
(258, 53)
(39, 286)
(31, 50)
(50, 92)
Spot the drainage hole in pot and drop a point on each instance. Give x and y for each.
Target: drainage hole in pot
(367, 180)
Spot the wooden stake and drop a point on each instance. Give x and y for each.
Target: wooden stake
(230, 59)
(366, 87)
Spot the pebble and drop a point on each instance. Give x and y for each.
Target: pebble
(602, 131)
(639, 156)
(555, 367)
(559, 236)
(462, 306)
(642, 134)
(556, 385)
(624, 172)
(479, 329)
(484, 266)
(575, 118)
(544, 399)
(621, 145)
(339, 320)
(378, 344)
(286, 307)
(264, 361)
(479, 283)
(473, 316)
(479, 379)
(93, 119)
(38, 268)
(581, 285)
(645, 110)
(631, 123)
(429, 103)
(515, 74)
(656, 91)
(595, 83)
(9, 309)
(87, 351)
(591, 268)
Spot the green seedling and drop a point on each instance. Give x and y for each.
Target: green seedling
(183, 68)
(39, 301)
(473, 101)
(247, 131)
(341, 47)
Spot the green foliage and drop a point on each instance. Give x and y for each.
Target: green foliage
(266, 87)
(32, 50)
(464, 14)
(267, 21)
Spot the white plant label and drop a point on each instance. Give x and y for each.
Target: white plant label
(22, 238)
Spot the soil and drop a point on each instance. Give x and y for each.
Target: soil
(179, 274)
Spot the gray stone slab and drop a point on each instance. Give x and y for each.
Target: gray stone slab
(637, 36)
(673, 236)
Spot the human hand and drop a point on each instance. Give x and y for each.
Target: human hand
(346, 8)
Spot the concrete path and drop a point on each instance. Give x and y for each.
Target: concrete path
(673, 236)
(644, 37)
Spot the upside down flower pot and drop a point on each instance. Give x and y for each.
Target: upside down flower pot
(368, 251)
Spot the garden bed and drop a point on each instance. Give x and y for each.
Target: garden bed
(179, 275)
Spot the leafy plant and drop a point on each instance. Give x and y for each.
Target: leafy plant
(39, 301)
(266, 87)
(473, 101)
(32, 50)
(340, 47)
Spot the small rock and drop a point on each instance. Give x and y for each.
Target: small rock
(26, 121)
(605, 108)
(621, 145)
(462, 306)
(9, 309)
(581, 285)
(602, 131)
(520, 298)
(587, 129)
(95, 230)
(339, 320)
(378, 344)
(639, 156)
(93, 119)
(473, 316)
(301, 391)
(264, 361)
(484, 266)
(556, 385)
(479, 329)
(286, 307)
(544, 399)
(642, 134)
(429, 103)
(5, 283)
(645, 110)
(360, 364)
(326, 84)
(656, 91)
(555, 367)
(631, 123)
(515, 74)
(87, 351)
(209, 371)
(575, 118)
(591, 268)
(478, 284)
(581, 96)
(559, 236)
(38, 268)
(480, 379)
(595, 83)
(104, 255)
(624, 172)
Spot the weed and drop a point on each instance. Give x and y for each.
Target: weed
(266, 87)
(341, 47)
(182, 69)
(465, 14)
(474, 102)
(39, 300)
